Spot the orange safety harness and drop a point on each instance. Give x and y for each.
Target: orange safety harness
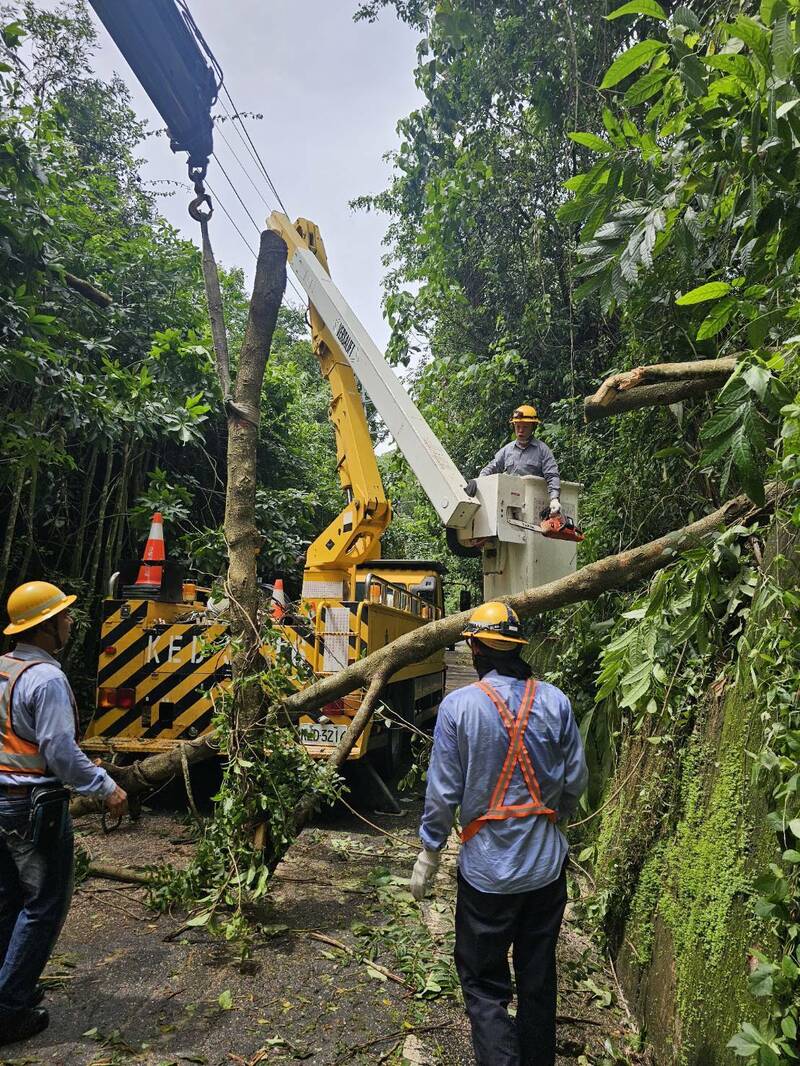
(517, 755)
(17, 755)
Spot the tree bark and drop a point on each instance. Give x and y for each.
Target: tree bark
(657, 385)
(97, 549)
(241, 533)
(88, 486)
(216, 312)
(87, 290)
(612, 572)
(11, 525)
(31, 538)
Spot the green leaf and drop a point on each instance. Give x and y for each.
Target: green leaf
(639, 7)
(753, 35)
(225, 1000)
(786, 107)
(794, 827)
(590, 140)
(200, 919)
(782, 46)
(712, 290)
(646, 86)
(629, 61)
(758, 379)
(766, 10)
(684, 16)
(760, 982)
(743, 1046)
(716, 319)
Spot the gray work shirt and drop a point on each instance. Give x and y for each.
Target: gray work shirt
(523, 459)
(42, 711)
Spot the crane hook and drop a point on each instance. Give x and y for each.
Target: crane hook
(196, 174)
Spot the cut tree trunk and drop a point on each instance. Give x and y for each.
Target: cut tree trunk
(658, 385)
(612, 572)
(241, 533)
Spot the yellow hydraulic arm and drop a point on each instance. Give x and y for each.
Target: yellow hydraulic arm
(355, 535)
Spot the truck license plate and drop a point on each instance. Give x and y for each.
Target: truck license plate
(322, 734)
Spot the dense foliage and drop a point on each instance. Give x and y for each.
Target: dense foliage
(542, 235)
(111, 414)
(581, 192)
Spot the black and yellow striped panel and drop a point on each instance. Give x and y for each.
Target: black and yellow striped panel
(174, 671)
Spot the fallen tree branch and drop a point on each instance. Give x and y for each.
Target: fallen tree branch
(657, 385)
(325, 939)
(372, 672)
(119, 873)
(87, 290)
(612, 572)
(146, 774)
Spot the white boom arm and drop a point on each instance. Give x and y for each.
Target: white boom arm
(503, 515)
(433, 467)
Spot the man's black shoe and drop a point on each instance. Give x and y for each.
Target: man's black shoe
(23, 1024)
(39, 993)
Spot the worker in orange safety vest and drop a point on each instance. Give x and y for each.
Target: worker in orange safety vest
(508, 753)
(39, 755)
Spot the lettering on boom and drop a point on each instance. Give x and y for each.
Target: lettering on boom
(344, 338)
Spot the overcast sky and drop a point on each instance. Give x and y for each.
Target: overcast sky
(331, 92)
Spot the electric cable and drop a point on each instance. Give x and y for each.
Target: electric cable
(245, 208)
(230, 219)
(243, 168)
(260, 161)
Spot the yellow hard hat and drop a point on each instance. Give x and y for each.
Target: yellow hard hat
(526, 413)
(34, 602)
(494, 624)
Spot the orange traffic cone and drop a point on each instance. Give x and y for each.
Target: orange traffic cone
(149, 579)
(277, 607)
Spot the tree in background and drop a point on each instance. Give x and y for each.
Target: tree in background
(110, 413)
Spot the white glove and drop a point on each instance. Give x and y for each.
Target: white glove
(424, 872)
(555, 505)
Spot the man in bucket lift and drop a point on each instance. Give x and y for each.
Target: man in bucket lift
(525, 455)
(507, 751)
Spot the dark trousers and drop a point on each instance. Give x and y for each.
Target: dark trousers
(35, 893)
(487, 925)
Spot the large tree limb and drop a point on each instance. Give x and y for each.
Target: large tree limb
(659, 384)
(87, 290)
(588, 583)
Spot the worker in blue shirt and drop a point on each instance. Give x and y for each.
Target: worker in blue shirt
(39, 754)
(524, 456)
(507, 752)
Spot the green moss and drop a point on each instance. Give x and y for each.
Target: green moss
(629, 829)
(701, 877)
(641, 924)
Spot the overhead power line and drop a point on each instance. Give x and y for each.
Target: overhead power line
(255, 155)
(228, 215)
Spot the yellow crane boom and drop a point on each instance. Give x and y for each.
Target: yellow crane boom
(354, 536)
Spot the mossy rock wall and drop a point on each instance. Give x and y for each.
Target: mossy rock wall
(678, 851)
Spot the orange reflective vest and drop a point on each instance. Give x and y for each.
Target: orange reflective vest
(517, 756)
(17, 756)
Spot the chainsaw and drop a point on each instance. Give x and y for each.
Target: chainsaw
(558, 526)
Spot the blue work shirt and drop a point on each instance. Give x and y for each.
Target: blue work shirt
(534, 457)
(42, 711)
(470, 744)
